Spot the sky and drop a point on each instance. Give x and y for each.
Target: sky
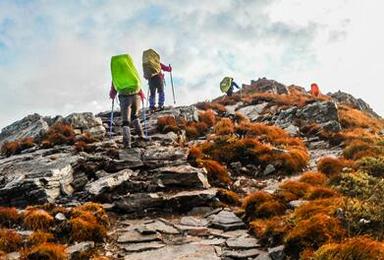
(55, 55)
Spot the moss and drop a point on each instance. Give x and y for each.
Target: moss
(371, 165)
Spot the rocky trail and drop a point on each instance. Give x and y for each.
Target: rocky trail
(161, 206)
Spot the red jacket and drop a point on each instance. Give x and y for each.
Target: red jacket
(165, 68)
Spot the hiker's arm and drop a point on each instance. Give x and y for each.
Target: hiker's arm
(112, 92)
(234, 84)
(165, 67)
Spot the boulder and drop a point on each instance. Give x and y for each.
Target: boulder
(77, 250)
(182, 176)
(226, 221)
(277, 253)
(253, 111)
(35, 178)
(87, 122)
(30, 126)
(160, 156)
(266, 85)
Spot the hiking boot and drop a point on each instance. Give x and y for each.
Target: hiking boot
(152, 109)
(161, 108)
(127, 137)
(139, 130)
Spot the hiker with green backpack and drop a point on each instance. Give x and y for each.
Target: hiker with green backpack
(126, 83)
(152, 68)
(227, 85)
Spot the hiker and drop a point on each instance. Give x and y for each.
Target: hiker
(227, 85)
(126, 83)
(152, 68)
(315, 90)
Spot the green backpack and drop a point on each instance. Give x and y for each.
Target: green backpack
(125, 77)
(225, 84)
(151, 63)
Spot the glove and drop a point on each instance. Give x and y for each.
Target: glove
(112, 92)
(170, 68)
(142, 95)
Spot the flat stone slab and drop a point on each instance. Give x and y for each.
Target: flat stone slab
(139, 247)
(194, 222)
(244, 254)
(226, 221)
(194, 231)
(161, 227)
(136, 237)
(242, 243)
(212, 242)
(180, 252)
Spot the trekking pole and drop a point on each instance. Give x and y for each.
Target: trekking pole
(111, 120)
(173, 89)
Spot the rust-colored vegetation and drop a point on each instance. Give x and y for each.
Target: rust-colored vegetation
(59, 134)
(224, 127)
(10, 240)
(262, 205)
(354, 118)
(332, 166)
(17, 146)
(314, 178)
(360, 247)
(217, 174)
(228, 197)
(208, 117)
(37, 219)
(45, 251)
(9, 217)
(167, 124)
(40, 237)
(271, 231)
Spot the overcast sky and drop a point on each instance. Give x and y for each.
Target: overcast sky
(55, 55)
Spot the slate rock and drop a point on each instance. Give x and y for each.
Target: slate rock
(242, 243)
(139, 247)
(226, 220)
(192, 221)
(74, 251)
(241, 254)
(277, 253)
(136, 237)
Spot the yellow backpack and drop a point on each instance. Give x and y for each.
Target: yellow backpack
(151, 63)
(225, 84)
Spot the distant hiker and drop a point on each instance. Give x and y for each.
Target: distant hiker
(126, 82)
(227, 84)
(152, 68)
(315, 91)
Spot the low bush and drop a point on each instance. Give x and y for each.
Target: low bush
(95, 209)
(228, 197)
(217, 174)
(332, 166)
(314, 178)
(37, 219)
(312, 233)
(262, 205)
(358, 149)
(9, 217)
(208, 117)
(167, 124)
(85, 227)
(39, 237)
(360, 247)
(59, 134)
(45, 251)
(321, 193)
(10, 240)
(270, 232)
(224, 127)
(300, 189)
(17, 146)
(320, 206)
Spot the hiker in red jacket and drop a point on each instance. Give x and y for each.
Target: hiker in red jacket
(315, 91)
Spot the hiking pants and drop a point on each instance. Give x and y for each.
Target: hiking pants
(129, 107)
(156, 83)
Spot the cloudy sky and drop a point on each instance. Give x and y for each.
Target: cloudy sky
(54, 55)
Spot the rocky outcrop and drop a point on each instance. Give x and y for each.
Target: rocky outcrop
(266, 85)
(358, 103)
(86, 122)
(30, 126)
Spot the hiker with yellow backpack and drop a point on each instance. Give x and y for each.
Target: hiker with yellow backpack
(152, 68)
(227, 85)
(126, 83)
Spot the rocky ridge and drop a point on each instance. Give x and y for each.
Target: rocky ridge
(163, 204)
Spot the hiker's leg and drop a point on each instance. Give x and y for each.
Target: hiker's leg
(160, 89)
(230, 92)
(125, 109)
(136, 104)
(152, 93)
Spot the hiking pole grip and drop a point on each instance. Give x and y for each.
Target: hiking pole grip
(173, 89)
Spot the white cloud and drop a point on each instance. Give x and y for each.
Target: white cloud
(61, 49)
